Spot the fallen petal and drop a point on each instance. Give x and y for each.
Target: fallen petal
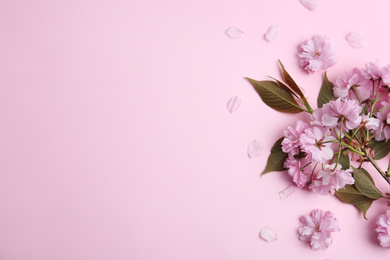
(310, 4)
(268, 234)
(284, 194)
(356, 40)
(255, 148)
(234, 32)
(233, 103)
(272, 33)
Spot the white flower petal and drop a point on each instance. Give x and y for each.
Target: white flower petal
(310, 4)
(356, 40)
(268, 234)
(272, 33)
(234, 32)
(255, 148)
(234, 103)
(284, 194)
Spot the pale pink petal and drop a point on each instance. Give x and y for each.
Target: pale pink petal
(234, 32)
(284, 194)
(268, 234)
(356, 40)
(310, 4)
(233, 103)
(272, 33)
(255, 148)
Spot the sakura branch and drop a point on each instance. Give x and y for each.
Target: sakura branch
(349, 128)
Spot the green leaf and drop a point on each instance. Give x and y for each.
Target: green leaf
(367, 174)
(344, 160)
(381, 148)
(326, 92)
(290, 82)
(276, 158)
(352, 196)
(365, 185)
(275, 96)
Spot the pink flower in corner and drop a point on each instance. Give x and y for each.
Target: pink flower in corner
(316, 228)
(383, 229)
(316, 54)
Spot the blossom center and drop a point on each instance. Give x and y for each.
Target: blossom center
(316, 55)
(319, 144)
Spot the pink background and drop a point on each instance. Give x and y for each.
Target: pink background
(117, 143)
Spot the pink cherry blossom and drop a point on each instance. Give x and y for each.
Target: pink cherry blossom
(299, 170)
(383, 229)
(290, 143)
(315, 141)
(317, 227)
(383, 130)
(345, 114)
(331, 179)
(375, 71)
(353, 78)
(316, 54)
(371, 123)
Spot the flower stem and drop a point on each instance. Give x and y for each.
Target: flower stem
(353, 149)
(373, 162)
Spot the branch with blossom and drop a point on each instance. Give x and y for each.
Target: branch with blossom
(349, 129)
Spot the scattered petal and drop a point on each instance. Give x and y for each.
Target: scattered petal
(310, 4)
(356, 40)
(233, 103)
(255, 148)
(268, 234)
(234, 32)
(272, 33)
(284, 194)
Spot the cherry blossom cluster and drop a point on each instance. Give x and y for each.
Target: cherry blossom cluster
(326, 153)
(363, 104)
(360, 113)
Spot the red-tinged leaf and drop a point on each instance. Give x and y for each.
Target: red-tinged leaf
(290, 82)
(276, 158)
(275, 96)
